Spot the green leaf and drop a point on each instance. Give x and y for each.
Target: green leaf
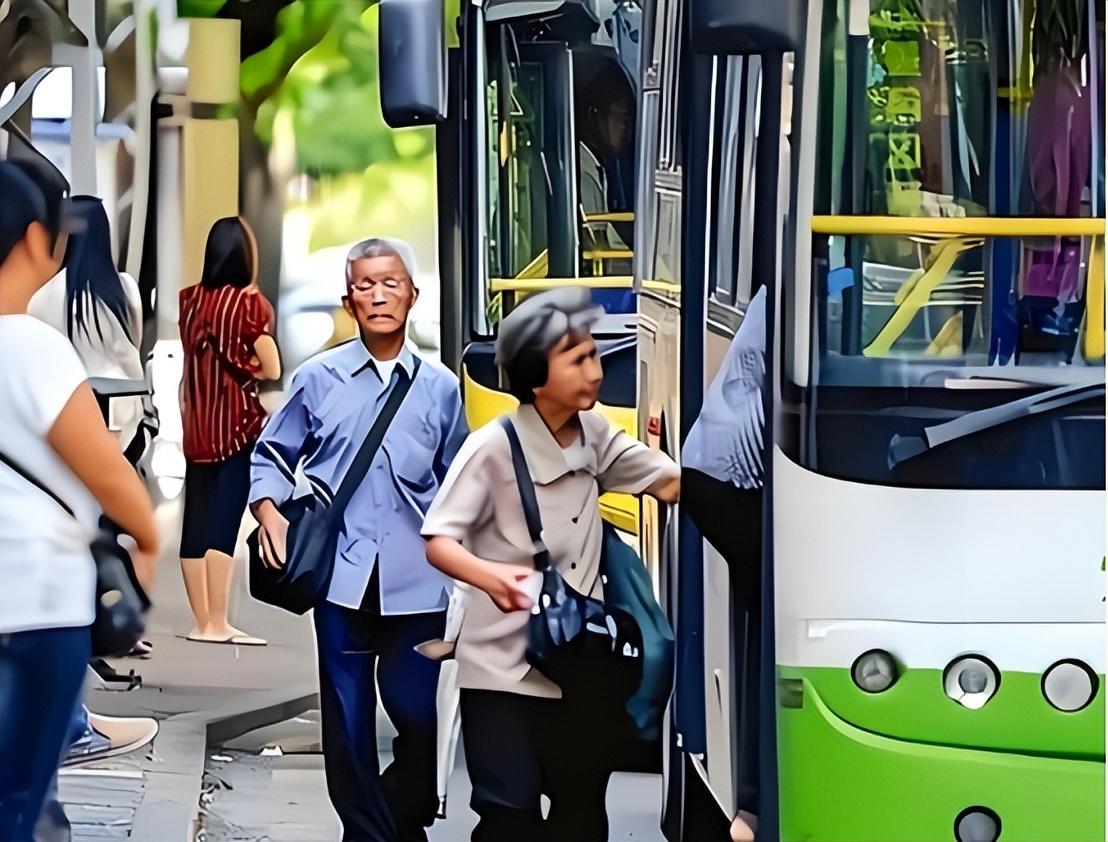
(198, 8)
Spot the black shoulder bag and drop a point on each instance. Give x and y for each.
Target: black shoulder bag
(314, 525)
(121, 603)
(581, 644)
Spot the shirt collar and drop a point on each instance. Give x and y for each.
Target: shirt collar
(365, 361)
(546, 459)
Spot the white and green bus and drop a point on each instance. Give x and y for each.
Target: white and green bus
(919, 187)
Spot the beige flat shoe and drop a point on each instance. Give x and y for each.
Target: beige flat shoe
(235, 639)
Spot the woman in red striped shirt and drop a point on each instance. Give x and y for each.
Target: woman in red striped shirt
(226, 329)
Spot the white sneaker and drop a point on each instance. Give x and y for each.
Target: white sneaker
(110, 736)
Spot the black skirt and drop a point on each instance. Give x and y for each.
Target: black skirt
(215, 501)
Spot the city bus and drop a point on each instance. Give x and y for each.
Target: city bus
(918, 187)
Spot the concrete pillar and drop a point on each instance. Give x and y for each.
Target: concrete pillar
(86, 63)
(209, 145)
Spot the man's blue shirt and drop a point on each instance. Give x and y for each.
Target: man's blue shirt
(331, 405)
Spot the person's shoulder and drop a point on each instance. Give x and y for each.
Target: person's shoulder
(487, 441)
(26, 332)
(189, 293)
(596, 425)
(38, 350)
(435, 372)
(128, 283)
(331, 363)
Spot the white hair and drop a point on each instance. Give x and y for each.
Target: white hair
(383, 247)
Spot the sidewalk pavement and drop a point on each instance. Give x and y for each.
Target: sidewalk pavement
(199, 692)
(219, 706)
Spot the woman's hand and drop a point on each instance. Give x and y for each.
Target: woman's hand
(145, 566)
(504, 583)
(506, 586)
(83, 442)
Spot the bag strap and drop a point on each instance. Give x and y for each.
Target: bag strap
(527, 497)
(364, 457)
(36, 482)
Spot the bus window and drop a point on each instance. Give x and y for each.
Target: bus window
(605, 123)
(734, 231)
(967, 108)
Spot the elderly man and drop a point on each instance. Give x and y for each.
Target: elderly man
(383, 597)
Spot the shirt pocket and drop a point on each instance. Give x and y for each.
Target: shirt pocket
(411, 449)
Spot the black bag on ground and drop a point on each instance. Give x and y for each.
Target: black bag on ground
(578, 642)
(314, 525)
(121, 603)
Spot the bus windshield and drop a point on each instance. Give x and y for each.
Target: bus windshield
(958, 242)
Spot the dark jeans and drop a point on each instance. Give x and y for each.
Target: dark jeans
(41, 675)
(730, 518)
(518, 748)
(353, 646)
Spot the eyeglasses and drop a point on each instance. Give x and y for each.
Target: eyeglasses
(367, 284)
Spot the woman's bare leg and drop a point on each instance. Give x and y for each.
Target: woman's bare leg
(220, 567)
(195, 574)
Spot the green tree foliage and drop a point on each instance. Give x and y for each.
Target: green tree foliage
(322, 65)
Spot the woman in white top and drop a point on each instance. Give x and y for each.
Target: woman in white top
(98, 308)
(50, 429)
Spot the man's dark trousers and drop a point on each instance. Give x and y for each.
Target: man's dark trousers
(353, 645)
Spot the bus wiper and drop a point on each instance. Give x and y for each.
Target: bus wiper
(903, 448)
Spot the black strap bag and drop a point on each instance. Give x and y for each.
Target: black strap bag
(121, 603)
(581, 644)
(314, 525)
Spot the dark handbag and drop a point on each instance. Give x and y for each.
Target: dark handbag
(121, 603)
(314, 525)
(585, 646)
(627, 586)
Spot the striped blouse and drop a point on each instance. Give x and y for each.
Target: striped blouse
(222, 413)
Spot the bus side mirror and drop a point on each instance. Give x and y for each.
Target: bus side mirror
(412, 56)
(727, 27)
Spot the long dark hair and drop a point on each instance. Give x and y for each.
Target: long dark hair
(90, 273)
(231, 255)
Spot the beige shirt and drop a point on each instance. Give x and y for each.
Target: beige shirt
(479, 506)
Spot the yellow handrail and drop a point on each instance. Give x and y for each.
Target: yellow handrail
(968, 226)
(537, 267)
(916, 291)
(619, 216)
(593, 282)
(540, 284)
(1093, 346)
(608, 254)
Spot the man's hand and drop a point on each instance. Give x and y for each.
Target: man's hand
(272, 534)
(507, 586)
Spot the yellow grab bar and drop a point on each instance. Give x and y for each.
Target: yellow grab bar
(969, 226)
(626, 216)
(592, 282)
(537, 267)
(608, 254)
(916, 291)
(1093, 346)
(540, 284)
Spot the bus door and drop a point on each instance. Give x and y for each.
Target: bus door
(530, 197)
(528, 223)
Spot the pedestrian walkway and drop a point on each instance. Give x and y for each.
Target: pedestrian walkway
(196, 691)
(253, 793)
(205, 776)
